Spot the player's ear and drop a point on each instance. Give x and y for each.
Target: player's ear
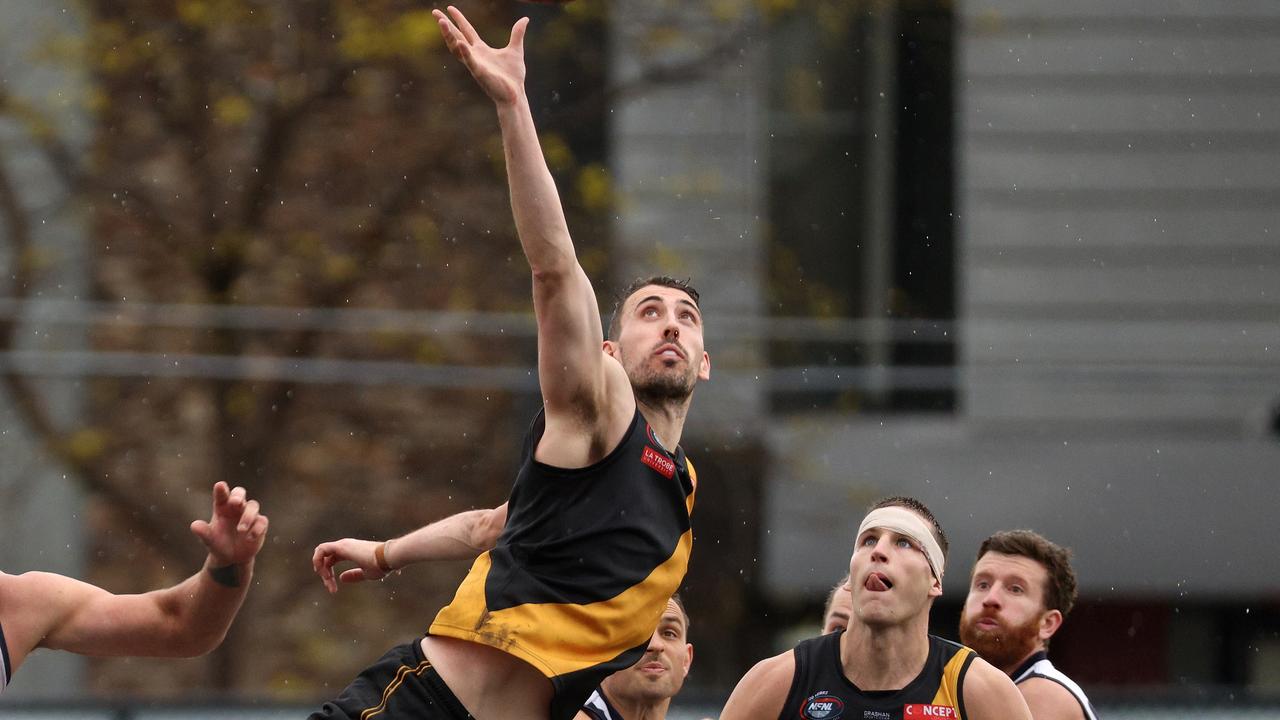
(610, 348)
(935, 590)
(704, 368)
(1049, 624)
(688, 660)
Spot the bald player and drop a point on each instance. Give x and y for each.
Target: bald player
(1022, 588)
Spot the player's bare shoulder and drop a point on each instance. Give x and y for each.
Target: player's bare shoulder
(989, 694)
(31, 604)
(762, 692)
(1049, 700)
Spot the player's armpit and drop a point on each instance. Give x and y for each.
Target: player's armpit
(484, 534)
(989, 694)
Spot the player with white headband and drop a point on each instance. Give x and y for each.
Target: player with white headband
(886, 665)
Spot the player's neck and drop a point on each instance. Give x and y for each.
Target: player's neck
(1014, 667)
(884, 658)
(666, 418)
(639, 708)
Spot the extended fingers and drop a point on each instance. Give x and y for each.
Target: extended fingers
(464, 25)
(452, 35)
(259, 528)
(517, 34)
(234, 503)
(248, 516)
(452, 38)
(202, 530)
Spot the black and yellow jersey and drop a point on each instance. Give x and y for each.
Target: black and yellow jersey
(821, 691)
(583, 569)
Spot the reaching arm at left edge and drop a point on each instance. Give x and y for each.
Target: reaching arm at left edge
(185, 620)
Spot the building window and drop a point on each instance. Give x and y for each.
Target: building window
(862, 286)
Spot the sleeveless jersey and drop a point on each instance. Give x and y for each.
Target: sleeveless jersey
(820, 690)
(1038, 666)
(585, 565)
(597, 707)
(6, 668)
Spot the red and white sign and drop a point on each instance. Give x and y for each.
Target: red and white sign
(658, 461)
(929, 711)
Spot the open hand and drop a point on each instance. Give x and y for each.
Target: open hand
(500, 72)
(236, 531)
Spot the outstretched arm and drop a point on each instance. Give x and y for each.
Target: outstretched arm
(185, 620)
(457, 537)
(571, 365)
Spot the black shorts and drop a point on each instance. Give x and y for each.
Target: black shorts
(401, 684)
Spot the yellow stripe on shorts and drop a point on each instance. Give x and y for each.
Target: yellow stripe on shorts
(394, 685)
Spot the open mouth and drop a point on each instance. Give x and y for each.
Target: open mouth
(669, 352)
(878, 582)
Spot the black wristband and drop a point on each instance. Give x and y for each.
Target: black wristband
(228, 575)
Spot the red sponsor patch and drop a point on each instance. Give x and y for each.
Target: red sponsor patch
(658, 461)
(929, 711)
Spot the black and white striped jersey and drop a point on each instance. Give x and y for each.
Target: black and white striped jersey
(597, 707)
(1038, 666)
(6, 668)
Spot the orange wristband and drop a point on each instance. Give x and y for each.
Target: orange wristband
(380, 557)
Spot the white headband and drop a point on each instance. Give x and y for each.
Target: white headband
(906, 522)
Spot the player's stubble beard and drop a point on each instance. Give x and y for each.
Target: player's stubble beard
(1004, 648)
(632, 684)
(668, 386)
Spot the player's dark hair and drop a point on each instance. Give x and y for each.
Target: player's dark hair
(679, 601)
(918, 508)
(615, 317)
(1060, 585)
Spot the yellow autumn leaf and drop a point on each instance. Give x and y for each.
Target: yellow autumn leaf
(232, 110)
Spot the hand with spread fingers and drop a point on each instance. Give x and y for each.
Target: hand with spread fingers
(237, 529)
(500, 71)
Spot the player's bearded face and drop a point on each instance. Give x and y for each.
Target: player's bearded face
(657, 379)
(1004, 645)
(660, 345)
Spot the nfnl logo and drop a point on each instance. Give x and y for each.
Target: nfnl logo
(822, 706)
(658, 461)
(928, 711)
